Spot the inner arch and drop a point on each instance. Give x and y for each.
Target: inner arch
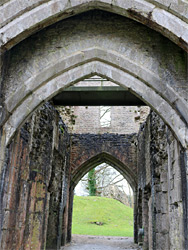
(54, 86)
(104, 158)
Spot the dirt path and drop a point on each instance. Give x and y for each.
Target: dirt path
(87, 242)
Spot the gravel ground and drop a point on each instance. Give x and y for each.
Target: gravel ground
(88, 242)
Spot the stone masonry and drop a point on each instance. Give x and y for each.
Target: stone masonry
(47, 46)
(19, 20)
(160, 187)
(89, 150)
(44, 165)
(87, 119)
(137, 58)
(30, 199)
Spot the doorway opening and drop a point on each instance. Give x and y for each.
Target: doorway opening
(105, 118)
(103, 204)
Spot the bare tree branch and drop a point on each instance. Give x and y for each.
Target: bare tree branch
(111, 184)
(105, 111)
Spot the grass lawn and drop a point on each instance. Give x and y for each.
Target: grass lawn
(116, 218)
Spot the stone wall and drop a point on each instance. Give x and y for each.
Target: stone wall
(58, 189)
(29, 191)
(118, 150)
(43, 164)
(86, 119)
(119, 34)
(19, 19)
(124, 119)
(101, 43)
(162, 211)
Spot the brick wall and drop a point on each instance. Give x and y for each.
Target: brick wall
(118, 150)
(124, 119)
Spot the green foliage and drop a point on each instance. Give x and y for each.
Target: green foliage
(92, 182)
(62, 130)
(116, 218)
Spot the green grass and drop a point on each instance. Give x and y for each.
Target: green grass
(117, 218)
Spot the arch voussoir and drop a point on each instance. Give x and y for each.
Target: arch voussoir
(100, 158)
(58, 84)
(111, 58)
(29, 19)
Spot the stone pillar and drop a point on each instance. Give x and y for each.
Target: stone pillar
(58, 188)
(67, 201)
(55, 190)
(145, 213)
(150, 225)
(69, 227)
(176, 204)
(139, 216)
(184, 175)
(135, 217)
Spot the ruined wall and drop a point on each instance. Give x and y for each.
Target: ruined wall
(161, 206)
(87, 119)
(28, 191)
(123, 119)
(118, 150)
(58, 189)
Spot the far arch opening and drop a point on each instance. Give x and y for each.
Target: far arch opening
(114, 163)
(111, 187)
(104, 157)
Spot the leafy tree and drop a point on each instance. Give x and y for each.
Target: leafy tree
(92, 182)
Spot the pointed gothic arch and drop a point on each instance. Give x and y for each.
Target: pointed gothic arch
(104, 157)
(35, 94)
(89, 164)
(170, 19)
(59, 72)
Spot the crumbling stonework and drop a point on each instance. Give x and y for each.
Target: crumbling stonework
(44, 165)
(113, 192)
(139, 45)
(89, 150)
(160, 187)
(29, 181)
(87, 119)
(58, 189)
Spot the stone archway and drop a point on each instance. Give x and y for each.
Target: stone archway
(147, 94)
(104, 158)
(88, 151)
(169, 18)
(136, 61)
(92, 162)
(140, 73)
